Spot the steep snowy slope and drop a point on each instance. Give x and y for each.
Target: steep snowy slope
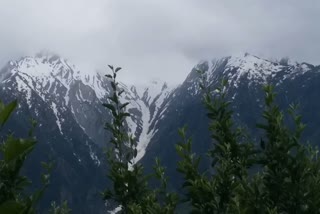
(67, 103)
(58, 82)
(147, 106)
(245, 67)
(246, 75)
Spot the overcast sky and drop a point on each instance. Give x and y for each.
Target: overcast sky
(158, 38)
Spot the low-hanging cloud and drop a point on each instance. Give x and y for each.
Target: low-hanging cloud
(158, 39)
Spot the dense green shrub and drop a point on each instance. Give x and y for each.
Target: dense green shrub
(13, 153)
(277, 175)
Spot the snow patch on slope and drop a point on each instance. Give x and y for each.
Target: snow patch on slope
(146, 133)
(148, 100)
(22, 87)
(55, 111)
(255, 68)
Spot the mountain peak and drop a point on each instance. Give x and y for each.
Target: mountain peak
(46, 68)
(47, 64)
(248, 67)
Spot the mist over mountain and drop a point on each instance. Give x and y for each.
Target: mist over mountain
(67, 104)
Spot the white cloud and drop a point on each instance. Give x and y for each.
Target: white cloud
(161, 39)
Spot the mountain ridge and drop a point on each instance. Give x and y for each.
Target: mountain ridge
(49, 75)
(246, 75)
(68, 106)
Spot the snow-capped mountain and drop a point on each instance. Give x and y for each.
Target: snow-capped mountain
(67, 104)
(58, 82)
(246, 74)
(246, 67)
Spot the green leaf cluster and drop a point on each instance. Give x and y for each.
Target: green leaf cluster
(279, 174)
(130, 185)
(13, 153)
(59, 209)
